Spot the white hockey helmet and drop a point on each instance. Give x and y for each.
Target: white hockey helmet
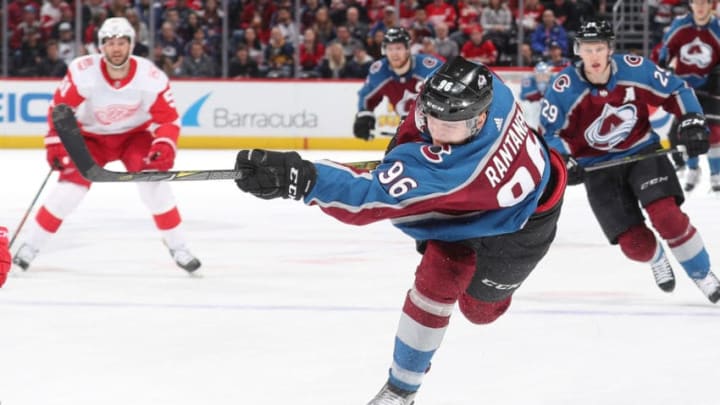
(116, 27)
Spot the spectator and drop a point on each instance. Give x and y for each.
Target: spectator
(307, 13)
(172, 46)
(50, 16)
(566, 14)
(52, 65)
(439, 11)
(446, 48)
(374, 47)
(66, 16)
(142, 34)
(117, 8)
(279, 55)
(421, 26)
(90, 33)
(527, 56)
(496, 21)
(550, 31)
(532, 15)
(357, 28)
(556, 58)
(283, 20)
(312, 52)
(347, 41)
(242, 65)
(186, 29)
(389, 20)
(16, 12)
(30, 55)
(27, 28)
(334, 66)
(262, 9)
(407, 13)
(143, 7)
(376, 10)
(255, 48)
(197, 63)
(337, 12)
(323, 26)
(212, 17)
(479, 49)
(67, 46)
(428, 48)
(162, 61)
(359, 66)
(468, 18)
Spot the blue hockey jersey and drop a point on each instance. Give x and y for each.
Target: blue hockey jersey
(599, 123)
(487, 186)
(401, 90)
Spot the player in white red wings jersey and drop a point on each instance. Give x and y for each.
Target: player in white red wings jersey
(125, 110)
(468, 180)
(4, 255)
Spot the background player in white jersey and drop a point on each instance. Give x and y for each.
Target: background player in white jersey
(125, 109)
(4, 255)
(398, 76)
(468, 178)
(691, 46)
(598, 111)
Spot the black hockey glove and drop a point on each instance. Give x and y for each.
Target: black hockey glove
(275, 174)
(576, 173)
(693, 133)
(364, 123)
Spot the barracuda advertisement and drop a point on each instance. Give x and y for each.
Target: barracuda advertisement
(216, 113)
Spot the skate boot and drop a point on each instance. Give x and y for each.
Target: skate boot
(390, 395)
(24, 256)
(692, 178)
(663, 273)
(184, 259)
(710, 286)
(715, 183)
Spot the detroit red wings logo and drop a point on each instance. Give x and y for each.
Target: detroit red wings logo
(115, 113)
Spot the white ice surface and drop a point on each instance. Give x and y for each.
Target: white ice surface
(297, 308)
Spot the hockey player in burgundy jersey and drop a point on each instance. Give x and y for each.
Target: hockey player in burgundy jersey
(4, 255)
(691, 46)
(398, 76)
(125, 109)
(468, 179)
(598, 111)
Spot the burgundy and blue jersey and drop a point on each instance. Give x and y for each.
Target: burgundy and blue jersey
(595, 123)
(487, 186)
(401, 90)
(695, 49)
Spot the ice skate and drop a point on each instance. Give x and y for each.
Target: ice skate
(710, 286)
(185, 260)
(692, 178)
(24, 256)
(663, 273)
(715, 183)
(390, 395)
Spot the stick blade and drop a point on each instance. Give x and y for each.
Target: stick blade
(69, 132)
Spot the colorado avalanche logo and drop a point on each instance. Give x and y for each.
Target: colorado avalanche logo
(115, 113)
(403, 106)
(696, 53)
(612, 127)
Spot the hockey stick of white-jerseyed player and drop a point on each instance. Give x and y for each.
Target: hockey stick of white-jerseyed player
(71, 137)
(30, 208)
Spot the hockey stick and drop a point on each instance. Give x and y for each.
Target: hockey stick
(71, 137)
(629, 159)
(29, 210)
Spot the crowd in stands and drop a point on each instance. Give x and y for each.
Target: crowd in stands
(336, 38)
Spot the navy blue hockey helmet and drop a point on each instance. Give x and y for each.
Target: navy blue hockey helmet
(459, 90)
(595, 30)
(396, 35)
